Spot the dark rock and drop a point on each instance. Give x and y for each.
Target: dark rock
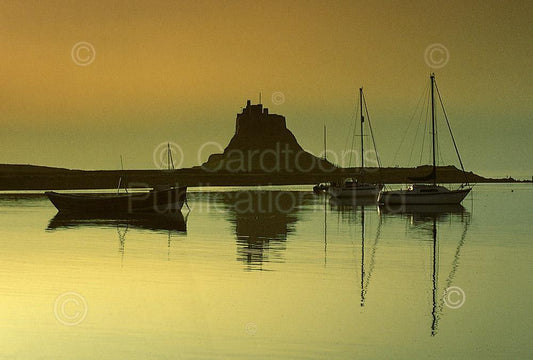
(262, 143)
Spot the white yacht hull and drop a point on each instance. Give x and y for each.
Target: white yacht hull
(357, 191)
(406, 197)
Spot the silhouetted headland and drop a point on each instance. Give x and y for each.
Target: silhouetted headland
(263, 151)
(262, 143)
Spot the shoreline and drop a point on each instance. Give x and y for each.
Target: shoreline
(29, 177)
(214, 189)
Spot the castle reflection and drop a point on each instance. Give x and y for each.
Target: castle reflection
(262, 221)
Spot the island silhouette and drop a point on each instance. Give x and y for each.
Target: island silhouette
(263, 151)
(262, 143)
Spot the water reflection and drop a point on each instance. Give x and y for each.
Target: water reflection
(423, 222)
(365, 278)
(262, 221)
(418, 216)
(424, 213)
(352, 211)
(171, 221)
(347, 204)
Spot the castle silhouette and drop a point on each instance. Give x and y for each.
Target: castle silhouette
(263, 143)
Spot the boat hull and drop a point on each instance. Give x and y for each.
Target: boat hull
(356, 191)
(157, 201)
(406, 197)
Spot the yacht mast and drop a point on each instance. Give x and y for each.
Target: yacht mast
(432, 76)
(325, 147)
(170, 160)
(362, 121)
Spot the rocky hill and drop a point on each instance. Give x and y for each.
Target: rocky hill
(262, 143)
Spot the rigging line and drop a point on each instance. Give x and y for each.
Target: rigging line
(373, 255)
(123, 175)
(425, 132)
(414, 140)
(371, 132)
(422, 96)
(420, 111)
(351, 133)
(440, 159)
(455, 262)
(451, 134)
(354, 136)
(170, 159)
(380, 174)
(430, 133)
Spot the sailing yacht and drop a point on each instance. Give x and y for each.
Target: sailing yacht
(352, 188)
(425, 189)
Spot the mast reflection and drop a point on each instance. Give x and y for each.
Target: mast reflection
(350, 209)
(168, 222)
(418, 215)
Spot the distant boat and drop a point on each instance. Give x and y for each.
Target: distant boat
(318, 188)
(352, 188)
(424, 194)
(153, 201)
(425, 189)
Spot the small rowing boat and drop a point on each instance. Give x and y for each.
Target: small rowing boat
(155, 200)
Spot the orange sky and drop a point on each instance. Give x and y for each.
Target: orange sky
(180, 71)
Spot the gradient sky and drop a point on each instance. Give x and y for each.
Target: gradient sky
(180, 71)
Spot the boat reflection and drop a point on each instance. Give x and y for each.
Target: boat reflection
(351, 203)
(167, 221)
(422, 221)
(418, 217)
(360, 209)
(423, 213)
(365, 276)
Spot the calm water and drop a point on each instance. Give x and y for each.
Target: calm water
(270, 274)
